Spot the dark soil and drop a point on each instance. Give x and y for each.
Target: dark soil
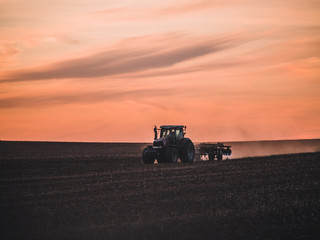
(112, 195)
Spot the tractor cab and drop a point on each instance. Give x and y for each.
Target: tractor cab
(174, 132)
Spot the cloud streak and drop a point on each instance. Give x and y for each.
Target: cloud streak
(83, 97)
(191, 7)
(7, 51)
(141, 14)
(128, 60)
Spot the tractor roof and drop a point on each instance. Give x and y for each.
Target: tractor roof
(172, 126)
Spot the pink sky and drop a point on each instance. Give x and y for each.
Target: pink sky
(109, 70)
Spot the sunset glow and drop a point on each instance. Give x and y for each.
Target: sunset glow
(109, 70)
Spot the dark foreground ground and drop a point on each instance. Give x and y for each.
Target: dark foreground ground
(116, 197)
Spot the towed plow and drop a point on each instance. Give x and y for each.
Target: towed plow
(212, 151)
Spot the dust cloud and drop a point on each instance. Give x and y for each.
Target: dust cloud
(266, 148)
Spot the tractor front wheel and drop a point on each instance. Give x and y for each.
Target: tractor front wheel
(171, 155)
(161, 157)
(147, 156)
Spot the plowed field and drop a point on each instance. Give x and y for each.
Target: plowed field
(111, 195)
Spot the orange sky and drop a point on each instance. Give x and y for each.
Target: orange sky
(109, 70)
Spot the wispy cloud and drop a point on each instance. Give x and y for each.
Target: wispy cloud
(84, 97)
(127, 60)
(191, 7)
(7, 51)
(141, 14)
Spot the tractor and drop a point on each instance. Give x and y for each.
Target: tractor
(170, 146)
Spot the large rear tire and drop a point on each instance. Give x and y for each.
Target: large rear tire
(147, 157)
(188, 152)
(171, 155)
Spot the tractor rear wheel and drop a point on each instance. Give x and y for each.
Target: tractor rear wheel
(188, 152)
(171, 155)
(147, 157)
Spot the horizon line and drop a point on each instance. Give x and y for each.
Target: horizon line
(119, 142)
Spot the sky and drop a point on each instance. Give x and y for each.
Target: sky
(108, 71)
